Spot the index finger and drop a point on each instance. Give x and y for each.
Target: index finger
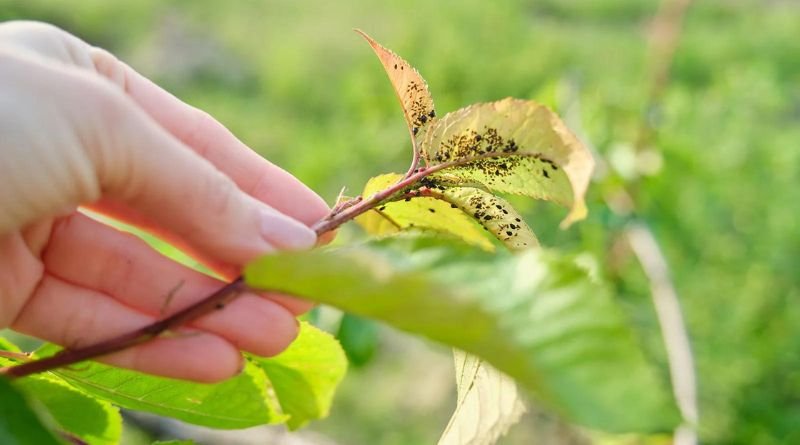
(253, 174)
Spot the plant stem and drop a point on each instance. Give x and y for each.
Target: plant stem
(216, 301)
(415, 160)
(67, 357)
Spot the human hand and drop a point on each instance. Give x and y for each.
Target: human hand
(78, 127)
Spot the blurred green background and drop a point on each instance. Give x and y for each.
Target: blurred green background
(717, 181)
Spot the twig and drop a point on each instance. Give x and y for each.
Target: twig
(18, 356)
(664, 39)
(71, 438)
(676, 339)
(215, 301)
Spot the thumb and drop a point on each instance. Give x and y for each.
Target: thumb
(144, 167)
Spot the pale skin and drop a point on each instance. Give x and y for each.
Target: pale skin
(79, 128)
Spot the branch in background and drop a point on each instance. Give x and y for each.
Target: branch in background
(666, 31)
(664, 37)
(670, 318)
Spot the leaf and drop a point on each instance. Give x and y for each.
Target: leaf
(410, 87)
(425, 213)
(19, 425)
(305, 376)
(535, 316)
(359, 339)
(488, 404)
(94, 421)
(7, 345)
(495, 214)
(518, 146)
(243, 401)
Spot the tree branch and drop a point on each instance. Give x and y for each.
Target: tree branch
(67, 357)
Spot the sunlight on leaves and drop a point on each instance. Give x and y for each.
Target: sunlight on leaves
(426, 213)
(94, 421)
(410, 87)
(488, 403)
(534, 315)
(519, 147)
(243, 401)
(293, 387)
(305, 376)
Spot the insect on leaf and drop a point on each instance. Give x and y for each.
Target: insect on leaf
(488, 404)
(512, 146)
(426, 213)
(495, 214)
(411, 89)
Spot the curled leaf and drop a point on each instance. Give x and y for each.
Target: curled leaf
(495, 214)
(426, 213)
(512, 146)
(488, 404)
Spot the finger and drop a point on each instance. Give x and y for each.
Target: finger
(208, 137)
(72, 316)
(124, 267)
(140, 164)
(197, 129)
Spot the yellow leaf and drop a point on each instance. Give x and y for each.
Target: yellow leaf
(488, 404)
(411, 88)
(495, 214)
(514, 146)
(426, 213)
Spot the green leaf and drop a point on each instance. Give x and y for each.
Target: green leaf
(488, 404)
(410, 87)
(305, 376)
(426, 213)
(513, 146)
(7, 345)
(94, 421)
(535, 316)
(19, 425)
(243, 401)
(359, 338)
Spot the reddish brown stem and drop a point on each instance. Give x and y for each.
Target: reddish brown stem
(217, 300)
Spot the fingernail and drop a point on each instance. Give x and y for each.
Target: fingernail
(284, 232)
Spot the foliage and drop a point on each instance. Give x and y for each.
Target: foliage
(720, 196)
(516, 311)
(293, 387)
(19, 425)
(488, 403)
